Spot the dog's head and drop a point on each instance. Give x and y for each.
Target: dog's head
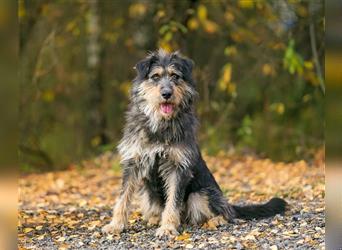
(164, 86)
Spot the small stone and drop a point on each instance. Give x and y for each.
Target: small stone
(296, 217)
(300, 241)
(250, 237)
(274, 247)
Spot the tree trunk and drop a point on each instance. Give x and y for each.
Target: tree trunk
(96, 127)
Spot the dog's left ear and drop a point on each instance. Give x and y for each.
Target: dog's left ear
(188, 64)
(143, 67)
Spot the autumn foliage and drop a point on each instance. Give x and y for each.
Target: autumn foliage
(258, 67)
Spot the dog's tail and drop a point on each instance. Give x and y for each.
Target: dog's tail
(271, 208)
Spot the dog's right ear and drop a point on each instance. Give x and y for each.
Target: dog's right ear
(143, 67)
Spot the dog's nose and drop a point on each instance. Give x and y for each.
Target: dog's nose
(166, 94)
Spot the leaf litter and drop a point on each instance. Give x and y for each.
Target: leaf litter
(67, 209)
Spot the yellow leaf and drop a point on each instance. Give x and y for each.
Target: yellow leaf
(227, 72)
(226, 77)
(94, 142)
(131, 221)
(39, 227)
(82, 203)
(48, 96)
(137, 10)
(267, 69)
(302, 11)
(41, 237)
(246, 4)
(308, 65)
(95, 223)
(231, 88)
(281, 108)
(61, 239)
(210, 26)
(202, 13)
(71, 26)
(230, 51)
(278, 107)
(28, 229)
(183, 237)
(135, 215)
(193, 24)
(160, 13)
(229, 16)
(21, 9)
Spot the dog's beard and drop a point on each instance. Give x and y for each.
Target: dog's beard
(158, 113)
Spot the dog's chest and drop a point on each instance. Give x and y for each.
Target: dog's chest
(154, 182)
(145, 153)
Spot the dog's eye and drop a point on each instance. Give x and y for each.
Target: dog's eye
(155, 77)
(175, 76)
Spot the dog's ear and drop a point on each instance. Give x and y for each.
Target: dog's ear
(143, 67)
(188, 64)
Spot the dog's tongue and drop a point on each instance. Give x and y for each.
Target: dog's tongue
(167, 108)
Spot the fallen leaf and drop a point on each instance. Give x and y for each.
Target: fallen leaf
(27, 230)
(41, 237)
(209, 225)
(61, 239)
(183, 237)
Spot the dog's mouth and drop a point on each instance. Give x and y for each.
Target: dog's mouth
(166, 108)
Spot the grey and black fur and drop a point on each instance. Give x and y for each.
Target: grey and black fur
(161, 158)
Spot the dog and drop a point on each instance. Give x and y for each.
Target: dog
(160, 156)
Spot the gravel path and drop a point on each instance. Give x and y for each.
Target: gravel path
(57, 211)
(297, 229)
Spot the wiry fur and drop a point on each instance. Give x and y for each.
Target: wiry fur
(160, 152)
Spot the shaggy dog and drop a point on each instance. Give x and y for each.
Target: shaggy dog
(161, 158)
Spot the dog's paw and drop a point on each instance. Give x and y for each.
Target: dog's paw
(214, 222)
(113, 227)
(154, 220)
(218, 221)
(168, 230)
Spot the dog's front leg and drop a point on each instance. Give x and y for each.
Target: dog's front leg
(120, 210)
(175, 189)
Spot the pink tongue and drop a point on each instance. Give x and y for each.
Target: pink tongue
(166, 108)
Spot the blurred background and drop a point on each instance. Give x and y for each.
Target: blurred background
(258, 66)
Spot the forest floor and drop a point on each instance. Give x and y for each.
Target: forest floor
(66, 209)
